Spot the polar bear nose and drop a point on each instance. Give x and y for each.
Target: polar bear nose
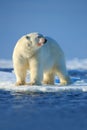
(45, 41)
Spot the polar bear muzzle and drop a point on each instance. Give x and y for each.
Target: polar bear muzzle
(41, 42)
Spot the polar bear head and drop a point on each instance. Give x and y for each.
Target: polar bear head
(35, 40)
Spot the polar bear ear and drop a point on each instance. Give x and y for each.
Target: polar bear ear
(27, 37)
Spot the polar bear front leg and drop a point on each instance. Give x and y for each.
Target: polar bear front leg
(36, 72)
(20, 72)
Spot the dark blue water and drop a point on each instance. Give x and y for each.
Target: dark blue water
(44, 111)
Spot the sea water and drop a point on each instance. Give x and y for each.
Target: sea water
(43, 109)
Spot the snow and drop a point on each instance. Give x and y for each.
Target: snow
(5, 64)
(75, 63)
(80, 64)
(7, 80)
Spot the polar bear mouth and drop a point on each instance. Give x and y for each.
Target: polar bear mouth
(40, 44)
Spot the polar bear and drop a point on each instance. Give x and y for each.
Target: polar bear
(43, 57)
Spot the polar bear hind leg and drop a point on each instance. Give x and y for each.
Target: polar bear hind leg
(48, 78)
(63, 77)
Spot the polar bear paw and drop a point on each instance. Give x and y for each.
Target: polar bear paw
(34, 83)
(20, 83)
(65, 82)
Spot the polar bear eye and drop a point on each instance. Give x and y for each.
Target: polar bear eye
(27, 37)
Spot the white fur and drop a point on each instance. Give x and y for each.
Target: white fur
(43, 60)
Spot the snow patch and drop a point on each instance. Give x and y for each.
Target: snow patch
(75, 63)
(79, 64)
(6, 64)
(7, 82)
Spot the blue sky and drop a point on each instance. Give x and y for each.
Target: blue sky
(63, 20)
